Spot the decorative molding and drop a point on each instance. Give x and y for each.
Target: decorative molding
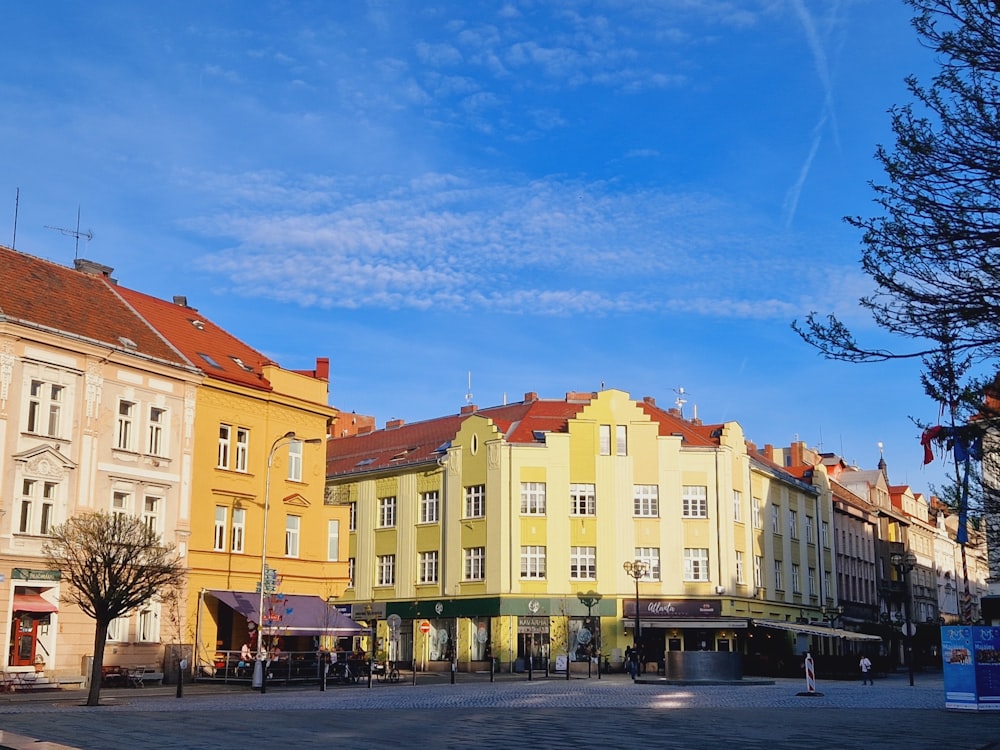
(7, 360)
(95, 382)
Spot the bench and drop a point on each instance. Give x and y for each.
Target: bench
(72, 681)
(150, 676)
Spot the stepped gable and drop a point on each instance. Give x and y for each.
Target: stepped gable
(690, 432)
(211, 349)
(43, 294)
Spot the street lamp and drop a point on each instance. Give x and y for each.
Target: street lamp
(903, 565)
(590, 600)
(260, 668)
(831, 614)
(636, 569)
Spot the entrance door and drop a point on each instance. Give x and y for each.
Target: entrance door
(25, 640)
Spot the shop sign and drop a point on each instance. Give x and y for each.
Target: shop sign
(26, 574)
(532, 624)
(668, 608)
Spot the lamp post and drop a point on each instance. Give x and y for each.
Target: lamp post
(636, 569)
(590, 599)
(903, 565)
(260, 668)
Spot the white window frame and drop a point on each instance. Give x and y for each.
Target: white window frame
(221, 528)
(650, 556)
(241, 459)
(38, 503)
(582, 500)
(293, 527)
(825, 534)
(809, 529)
(148, 623)
(352, 517)
(758, 571)
(333, 539)
(152, 512)
(646, 501)
(740, 568)
(45, 404)
(118, 629)
(738, 506)
(532, 498)
(694, 501)
(474, 564)
(156, 431)
(429, 505)
(125, 425)
(696, 562)
(811, 574)
(225, 446)
(779, 574)
(621, 440)
(295, 461)
(239, 530)
(386, 570)
(387, 512)
(427, 567)
(121, 501)
(533, 562)
(796, 579)
(755, 512)
(776, 519)
(793, 523)
(604, 439)
(583, 563)
(475, 501)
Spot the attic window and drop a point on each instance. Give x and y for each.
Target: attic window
(403, 454)
(365, 462)
(127, 342)
(443, 448)
(198, 324)
(539, 435)
(210, 361)
(241, 364)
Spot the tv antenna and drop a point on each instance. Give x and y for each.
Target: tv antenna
(680, 400)
(468, 392)
(88, 235)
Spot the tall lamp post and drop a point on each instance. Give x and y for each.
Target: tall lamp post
(260, 667)
(636, 569)
(903, 565)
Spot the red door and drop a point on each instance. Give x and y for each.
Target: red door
(25, 635)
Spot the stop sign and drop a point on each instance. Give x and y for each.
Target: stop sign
(425, 627)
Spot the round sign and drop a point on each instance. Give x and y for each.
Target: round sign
(425, 627)
(394, 621)
(909, 629)
(583, 637)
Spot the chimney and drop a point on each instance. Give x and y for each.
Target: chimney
(530, 397)
(649, 400)
(394, 424)
(469, 409)
(768, 451)
(93, 268)
(323, 368)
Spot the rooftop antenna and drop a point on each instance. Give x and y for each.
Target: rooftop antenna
(17, 202)
(468, 392)
(88, 235)
(680, 400)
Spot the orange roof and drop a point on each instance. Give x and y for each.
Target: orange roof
(40, 293)
(211, 349)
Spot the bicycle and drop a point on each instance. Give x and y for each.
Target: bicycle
(385, 671)
(342, 672)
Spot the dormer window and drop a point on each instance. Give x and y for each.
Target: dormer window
(198, 324)
(241, 364)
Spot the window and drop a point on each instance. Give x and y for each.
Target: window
(583, 563)
(650, 556)
(151, 507)
(738, 506)
(351, 567)
(157, 425)
(427, 567)
(118, 629)
(695, 564)
(386, 512)
(242, 449)
(825, 534)
(582, 500)
(758, 571)
(352, 521)
(45, 402)
(38, 502)
(126, 413)
(386, 570)
(475, 501)
(740, 568)
(149, 623)
(533, 561)
(475, 563)
(646, 500)
(777, 575)
(793, 524)
(292, 524)
(225, 444)
(809, 529)
(605, 437)
(533, 498)
(239, 528)
(827, 583)
(796, 583)
(694, 501)
(429, 507)
(812, 581)
(621, 440)
(333, 540)
(776, 519)
(121, 502)
(758, 522)
(295, 461)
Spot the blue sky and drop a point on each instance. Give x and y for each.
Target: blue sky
(550, 196)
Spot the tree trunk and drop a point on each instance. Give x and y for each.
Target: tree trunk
(96, 669)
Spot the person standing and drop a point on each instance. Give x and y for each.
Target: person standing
(866, 671)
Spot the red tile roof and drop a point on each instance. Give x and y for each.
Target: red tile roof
(41, 293)
(213, 350)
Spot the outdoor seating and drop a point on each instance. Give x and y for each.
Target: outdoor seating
(134, 675)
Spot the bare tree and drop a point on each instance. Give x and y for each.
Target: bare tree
(113, 563)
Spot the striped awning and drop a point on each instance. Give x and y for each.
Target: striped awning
(818, 630)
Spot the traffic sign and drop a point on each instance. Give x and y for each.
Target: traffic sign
(425, 627)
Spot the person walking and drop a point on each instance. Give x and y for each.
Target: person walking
(866, 671)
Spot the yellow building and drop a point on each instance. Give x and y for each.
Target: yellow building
(256, 493)
(504, 532)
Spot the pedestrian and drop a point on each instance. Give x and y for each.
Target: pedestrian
(866, 671)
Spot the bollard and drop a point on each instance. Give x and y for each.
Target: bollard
(454, 666)
(808, 666)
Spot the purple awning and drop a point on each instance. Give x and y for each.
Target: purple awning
(291, 614)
